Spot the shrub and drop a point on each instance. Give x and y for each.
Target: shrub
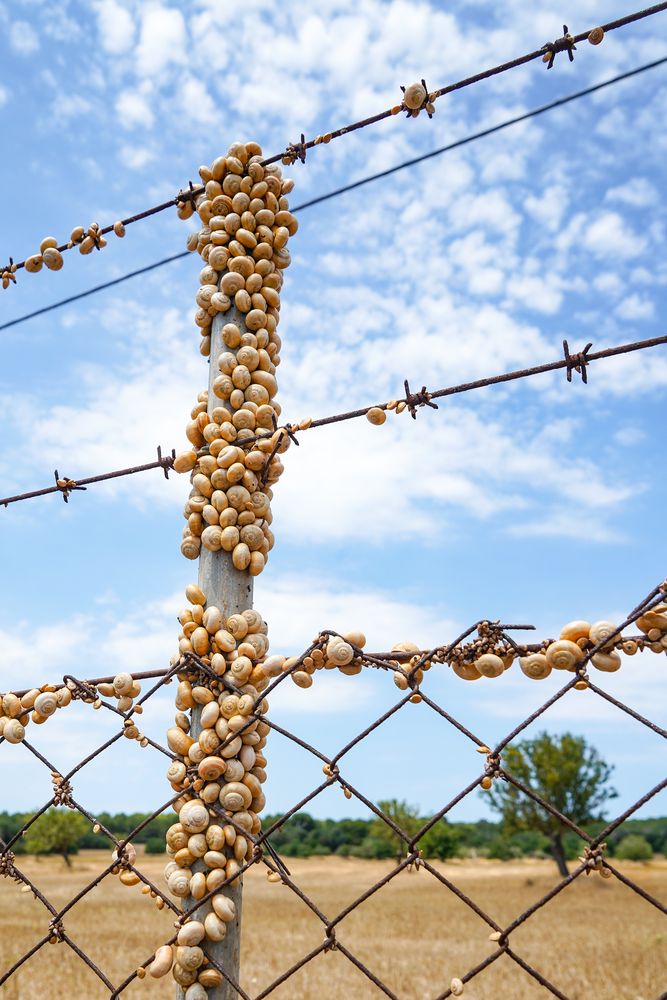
(155, 845)
(634, 848)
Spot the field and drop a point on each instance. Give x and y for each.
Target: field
(597, 940)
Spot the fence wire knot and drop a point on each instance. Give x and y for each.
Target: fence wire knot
(417, 399)
(295, 151)
(331, 943)
(62, 791)
(7, 869)
(594, 859)
(183, 197)
(79, 690)
(564, 44)
(577, 362)
(66, 486)
(167, 462)
(57, 931)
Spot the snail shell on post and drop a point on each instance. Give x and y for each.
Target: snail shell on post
(216, 929)
(190, 957)
(564, 655)
(179, 882)
(535, 666)
(194, 816)
(194, 594)
(191, 933)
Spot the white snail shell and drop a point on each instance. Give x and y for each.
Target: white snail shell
(179, 882)
(600, 631)
(609, 662)
(46, 703)
(122, 684)
(191, 933)
(414, 96)
(194, 816)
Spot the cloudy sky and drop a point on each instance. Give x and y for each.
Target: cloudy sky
(538, 502)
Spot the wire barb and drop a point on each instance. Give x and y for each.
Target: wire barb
(577, 362)
(66, 486)
(417, 399)
(564, 44)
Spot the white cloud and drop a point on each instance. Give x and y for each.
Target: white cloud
(23, 38)
(195, 101)
(638, 192)
(162, 41)
(68, 106)
(115, 25)
(133, 109)
(136, 157)
(635, 307)
(4, 96)
(609, 235)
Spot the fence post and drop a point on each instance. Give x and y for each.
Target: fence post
(231, 591)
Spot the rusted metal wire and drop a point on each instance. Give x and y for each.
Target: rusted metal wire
(412, 401)
(264, 851)
(299, 150)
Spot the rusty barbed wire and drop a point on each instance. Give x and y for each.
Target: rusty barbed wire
(361, 182)
(124, 862)
(413, 401)
(299, 149)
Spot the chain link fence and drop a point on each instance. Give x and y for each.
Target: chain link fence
(410, 672)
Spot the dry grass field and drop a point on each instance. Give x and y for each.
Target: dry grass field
(597, 940)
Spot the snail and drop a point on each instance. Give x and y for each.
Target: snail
(535, 666)
(564, 655)
(162, 962)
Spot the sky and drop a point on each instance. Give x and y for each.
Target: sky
(537, 502)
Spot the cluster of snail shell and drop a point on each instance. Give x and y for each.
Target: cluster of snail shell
(36, 705)
(39, 704)
(50, 254)
(333, 652)
(568, 652)
(219, 774)
(235, 456)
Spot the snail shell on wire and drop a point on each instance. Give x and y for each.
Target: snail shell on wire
(490, 665)
(564, 655)
(535, 666)
(162, 962)
(600, 631)
(575, 630)
(466, 671)
(13, 731)
(376, 416)
(595, 36)
(609, 662)
(414, 96)
(46, 703)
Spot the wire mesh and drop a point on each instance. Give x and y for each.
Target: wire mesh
(413, 669)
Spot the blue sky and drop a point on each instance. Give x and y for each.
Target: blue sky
(538, 502)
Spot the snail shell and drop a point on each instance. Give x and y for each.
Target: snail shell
(466, 671)
(224, 907)
(176, 837)
(179, 882)
(196, 991)
(46, 703)
(178, 741)
(535, 666)
(490, 665)
(376, 416)
(216, 929)
(564, 655)
(53, 259)
(210, 768)
(595, 36)
(13, 731)
(194, 816)
(302, 679)
(122, 684)
(197, 846)
(456, 987)
(414, 96)
(339, 651)
(609, 662)
(600, 631)
(191, 933)
(575, 630)
(184, 977)
(162, 962)
(189, 956)
(194, 594)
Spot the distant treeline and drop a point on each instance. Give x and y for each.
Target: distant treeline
(304, 836)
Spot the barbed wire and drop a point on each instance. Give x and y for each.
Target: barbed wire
(413, 401)
(566, 43)
(370, 178)
(128, 867)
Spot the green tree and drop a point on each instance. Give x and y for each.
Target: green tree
(567, 773)
(404, 816)
(634, 848)
(58, 831)
(441, 841)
